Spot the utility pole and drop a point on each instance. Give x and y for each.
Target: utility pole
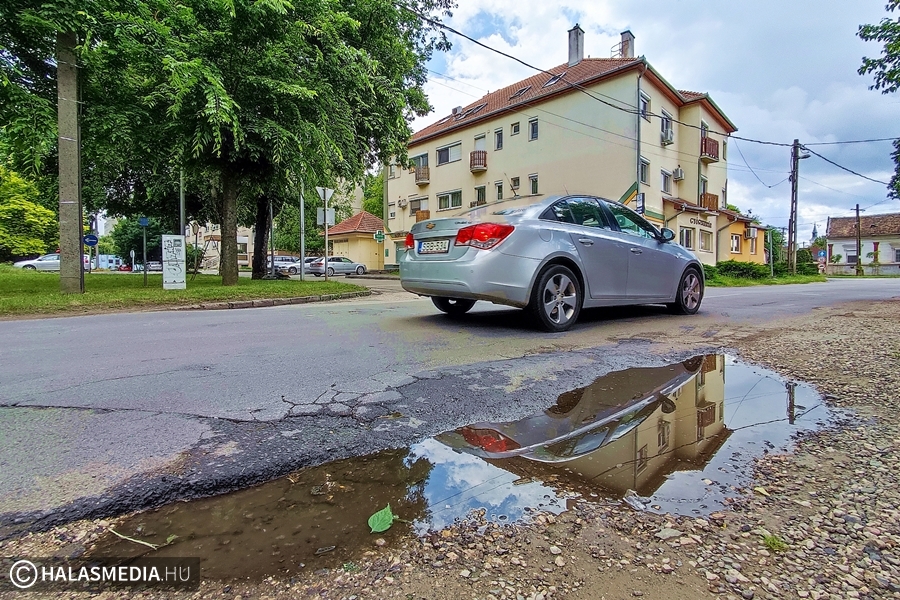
(302, 229)
(71, 218)
(859, 267)
(771, 254)
(792, 223)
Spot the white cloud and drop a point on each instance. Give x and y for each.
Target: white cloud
(779, 70)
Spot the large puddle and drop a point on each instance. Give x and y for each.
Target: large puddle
(678, 439)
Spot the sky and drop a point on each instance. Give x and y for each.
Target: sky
(780, 70)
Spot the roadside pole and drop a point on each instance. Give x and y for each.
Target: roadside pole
(771, 255)
(144, 221)
(325, 194)
(302, 230)
(859, 267)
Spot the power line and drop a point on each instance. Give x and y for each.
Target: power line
(831, 162)
(754, 172)
(893, 139)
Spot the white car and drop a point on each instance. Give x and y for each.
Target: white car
(47, 262)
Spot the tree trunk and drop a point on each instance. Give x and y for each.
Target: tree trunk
(229, 259)
(260, 237)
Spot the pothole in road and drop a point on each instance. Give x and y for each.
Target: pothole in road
(679, 439)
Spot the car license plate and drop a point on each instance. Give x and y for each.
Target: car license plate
(434, 247)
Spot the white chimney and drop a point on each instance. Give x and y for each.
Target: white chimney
(576, 45)
(627, 46)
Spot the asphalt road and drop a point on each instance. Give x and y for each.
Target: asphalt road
(105, 413)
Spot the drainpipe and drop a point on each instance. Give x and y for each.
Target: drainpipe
(681, 212)
(637, 164)
(718, 231)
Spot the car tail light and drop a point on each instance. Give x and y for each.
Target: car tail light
(409, 241)
(483, 235)
(488, 439)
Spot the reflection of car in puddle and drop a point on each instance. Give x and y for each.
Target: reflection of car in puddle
(623, 431)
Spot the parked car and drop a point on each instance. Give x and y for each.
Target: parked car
(552, 257)
(47, 262)
(154, 265)
(294, 267)
(581, 420)
(336, 264)
(281, 261)
(124, 268)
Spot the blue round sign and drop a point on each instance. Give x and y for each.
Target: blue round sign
(91, 240)
(822, 254)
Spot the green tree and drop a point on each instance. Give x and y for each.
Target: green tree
(26, 227)
(373, 194)
(128, 235)
(886, 71)
(106, 245)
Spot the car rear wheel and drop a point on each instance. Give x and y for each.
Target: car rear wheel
(30, 267)
(360, 270)
(330, 272)
(690, 293)
(292, 270)
(453, 306)
(556, 299)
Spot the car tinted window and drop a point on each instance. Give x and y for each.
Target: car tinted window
(558, 212)
(630, 222)
(587, 212)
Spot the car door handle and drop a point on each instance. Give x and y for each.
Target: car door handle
(636, 250)
(586, 241)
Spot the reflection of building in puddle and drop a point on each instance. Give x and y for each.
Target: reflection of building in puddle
(627, 430)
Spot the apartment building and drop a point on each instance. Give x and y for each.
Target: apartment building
(612, 127)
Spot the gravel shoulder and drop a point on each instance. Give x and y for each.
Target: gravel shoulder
(823, 522)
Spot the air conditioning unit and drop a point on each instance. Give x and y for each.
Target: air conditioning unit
(667, 136)
(750, 233)
(678, 174)
(402, 202)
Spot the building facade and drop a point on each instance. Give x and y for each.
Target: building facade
(355, 239)
(879, 237)
(611, 127)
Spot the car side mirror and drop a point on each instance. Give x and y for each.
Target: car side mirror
(667, 234)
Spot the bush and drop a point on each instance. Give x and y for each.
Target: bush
(807, 268)
(742, 270)
(781, 269)
(710, 271)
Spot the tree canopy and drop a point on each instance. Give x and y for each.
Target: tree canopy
(248, 97)
(26, 227)
(886, 71)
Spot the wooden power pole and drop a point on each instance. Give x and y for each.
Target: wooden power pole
(859, 267)
(792, 223)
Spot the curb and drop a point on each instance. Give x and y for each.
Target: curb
(272, 301)
(385, 277)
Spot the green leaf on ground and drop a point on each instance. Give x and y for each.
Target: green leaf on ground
(382, 520)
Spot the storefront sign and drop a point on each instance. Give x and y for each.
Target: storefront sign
(696, 221)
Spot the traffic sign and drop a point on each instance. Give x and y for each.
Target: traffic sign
(144, 221)
(822, 254)
(90, 240)
(379, 236)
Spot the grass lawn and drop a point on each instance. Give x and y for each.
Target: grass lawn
(723, 281)
(28, 293)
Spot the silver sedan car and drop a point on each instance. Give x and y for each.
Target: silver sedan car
(336, 264)
(552, 257)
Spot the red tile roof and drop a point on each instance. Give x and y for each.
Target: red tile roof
(361, 222)
(869, 225)
(682, 204)
(582, 73)
(532, 90)
(736, 216)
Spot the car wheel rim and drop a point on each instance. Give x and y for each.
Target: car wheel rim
(690, 293)
(560, 299)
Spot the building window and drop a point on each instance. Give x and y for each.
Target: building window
(665, 126)
(480, 196)
(480, 143)
(897, 255)
(417, 205)
(686, 237)
(704, 184)
(534, 190)
(420, 160)
(392, 215)
(851, 259)
(554, 79)
(514, 129)
(662, 435)
(449, 154)
(752, 245)
(499, 185)
(514, 183)
(735, 244)
(666, 184)
(532, 129)
(706, 241)
(645, 170)
(724, 149)
(642, 458)
(645, 106)
(392, 171)
(498, 139)
(450, 200)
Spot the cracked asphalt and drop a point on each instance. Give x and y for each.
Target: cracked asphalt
(106, 414)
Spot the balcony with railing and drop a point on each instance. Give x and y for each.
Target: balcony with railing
(709, 201)
(422, 175)
(709, 150)
(478, 161)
